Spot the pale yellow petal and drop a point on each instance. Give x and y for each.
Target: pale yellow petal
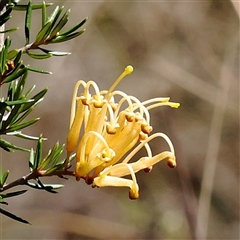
(122, 169)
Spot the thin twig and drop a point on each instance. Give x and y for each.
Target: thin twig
(34, 175)
(213, 146)
(188, 81)
(186, 194)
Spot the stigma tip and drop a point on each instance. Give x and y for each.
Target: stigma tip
(129, 69)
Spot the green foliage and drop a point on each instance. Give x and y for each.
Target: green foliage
(3, 178)
(8, 214)
(5, 16)
(19, 102)
(47, 166)
(50, 33)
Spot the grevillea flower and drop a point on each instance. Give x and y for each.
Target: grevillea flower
(107, 128)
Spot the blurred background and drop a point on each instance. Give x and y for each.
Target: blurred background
(188, 50)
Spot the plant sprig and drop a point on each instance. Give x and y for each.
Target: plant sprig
(19, 102)
(50, 33)
(39, 166)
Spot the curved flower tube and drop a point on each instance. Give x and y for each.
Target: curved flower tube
(106, 136)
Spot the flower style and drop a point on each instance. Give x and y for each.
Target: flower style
(115, 126)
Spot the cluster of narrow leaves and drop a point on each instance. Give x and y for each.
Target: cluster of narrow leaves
(49, 165)
(2, 201)
(15, 108)
(18, 102)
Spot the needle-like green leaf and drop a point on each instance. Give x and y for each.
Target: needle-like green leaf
(30, 90)
(39, 56)
(18, 102)
(10, 118)
(23, 7)
(55, 53)
(13, 194)
(15, 75)
(23, 116)
(44, 13)
(8, 214)
(20, 86)
(47, 187)
(9, 146)
(55, 17)
(64, 38)
(3, 107)
(20, 126)
(43, 32)
(55, 168)
(52, 156)
(16, 68)
(28, 19)
(38, 153)
(5, 16)
(1, 176)
(4, 54)
(46, 29)
(60, 24)
(4, 177)
(3, 21)
(31, 159)
(9, 30)
(36, 99)
(24, 136)
(12, 54)
(54, 14)
(71, 30)
(18, 57)
(38, 70)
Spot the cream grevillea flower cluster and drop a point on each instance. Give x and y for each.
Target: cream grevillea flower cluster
(106, 134)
